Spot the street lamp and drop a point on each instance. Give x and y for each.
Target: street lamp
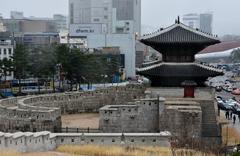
(59, 67)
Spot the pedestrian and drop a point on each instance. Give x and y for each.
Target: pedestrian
(226, 115)
(239, 117)
(234, 119)
(231, 115)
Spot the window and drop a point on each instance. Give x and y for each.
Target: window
(4, 51)
(9, 51)
(96, 20)
(72, 140)
(62, 140)
(105, 17)
(113, 140)
(105, 9)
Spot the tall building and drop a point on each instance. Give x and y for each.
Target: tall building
(60, 21)
(206, 22)
(201, 21)
(16, 15)
(115, 16)
(192, 20)
(107, 23)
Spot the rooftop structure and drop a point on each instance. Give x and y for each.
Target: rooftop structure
(178, 44)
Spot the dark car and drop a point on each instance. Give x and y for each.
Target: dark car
(218, 89)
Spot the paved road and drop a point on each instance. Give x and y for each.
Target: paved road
(228, 95)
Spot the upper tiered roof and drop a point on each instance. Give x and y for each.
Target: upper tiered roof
(179, 33)
(178, 42)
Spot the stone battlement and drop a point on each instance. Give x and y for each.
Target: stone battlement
(46, 141)
(43, 112)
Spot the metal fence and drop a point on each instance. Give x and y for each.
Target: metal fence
(79, 130)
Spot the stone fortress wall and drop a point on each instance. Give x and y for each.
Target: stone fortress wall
(46, 141)
(141, 116)
(184, 117)
(43, 113)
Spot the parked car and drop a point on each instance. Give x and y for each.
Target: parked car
(218, 88)
(222, 104)
(235, 106)
(236, 91)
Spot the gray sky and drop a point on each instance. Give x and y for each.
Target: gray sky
(155, 13)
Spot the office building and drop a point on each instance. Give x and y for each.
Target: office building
(27, 25)
(192, 20)
(107, 23)
(60, 22)
(201, 21)
(206, 22)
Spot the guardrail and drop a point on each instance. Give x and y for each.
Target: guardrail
(79, 130)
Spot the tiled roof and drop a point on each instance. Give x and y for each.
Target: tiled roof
(180, 69)
(221, 47)
(179, 33)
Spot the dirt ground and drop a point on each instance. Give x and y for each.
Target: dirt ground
(83, 120)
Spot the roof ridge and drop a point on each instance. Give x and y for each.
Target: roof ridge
(171, 27)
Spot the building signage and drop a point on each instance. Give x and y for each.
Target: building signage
(86, 29)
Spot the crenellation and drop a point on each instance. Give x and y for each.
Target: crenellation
(46, 141)
(43, 112)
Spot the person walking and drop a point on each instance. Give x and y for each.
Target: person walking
(231, 115)
(234, 119)
(239, 117)
(227, 115)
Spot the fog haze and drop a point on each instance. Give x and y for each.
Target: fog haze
(155, 13)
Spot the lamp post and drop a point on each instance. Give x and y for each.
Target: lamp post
(59, 66)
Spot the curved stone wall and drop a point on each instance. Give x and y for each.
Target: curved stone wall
(43, 113)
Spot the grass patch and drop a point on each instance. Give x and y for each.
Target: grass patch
(92, 150)
(113, 150)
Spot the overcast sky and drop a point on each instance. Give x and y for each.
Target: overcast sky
(155, 13)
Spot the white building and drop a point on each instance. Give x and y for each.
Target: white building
(106, 23)
(192, 20)
(6, 51)
(2, 27)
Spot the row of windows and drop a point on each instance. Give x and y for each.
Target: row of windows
(4, 51)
